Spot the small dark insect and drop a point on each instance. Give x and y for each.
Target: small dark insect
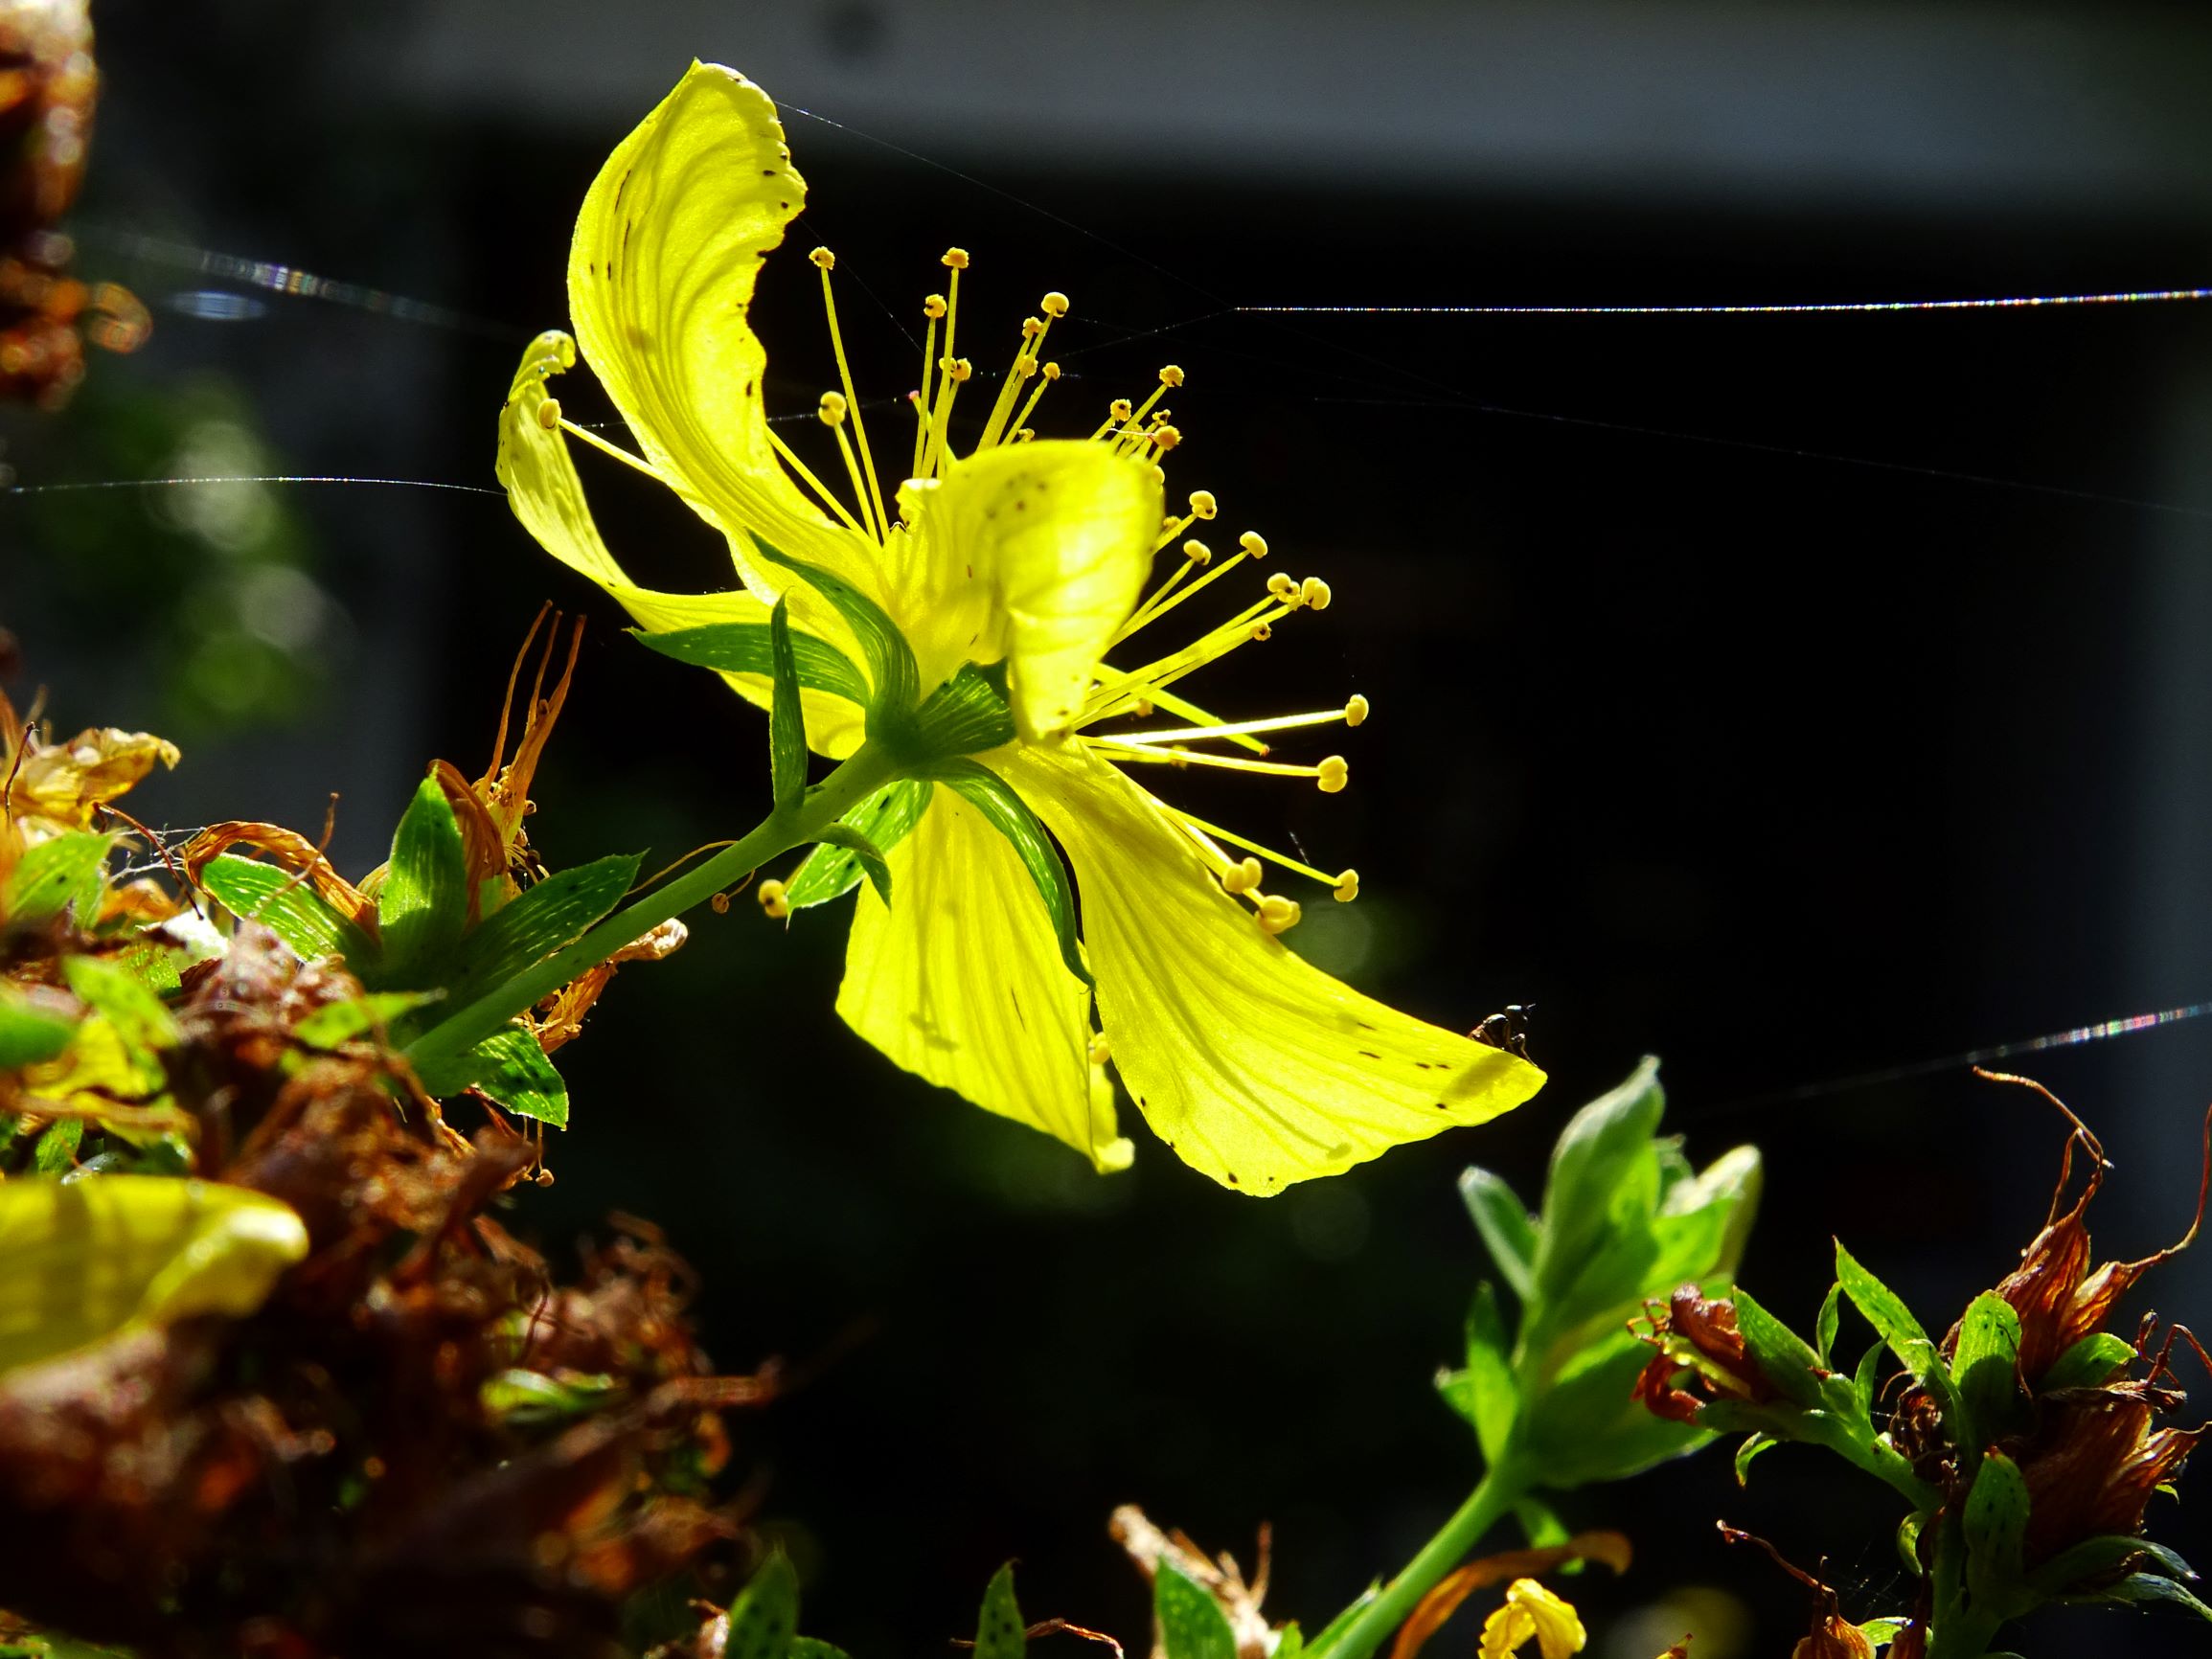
(1507, 1030)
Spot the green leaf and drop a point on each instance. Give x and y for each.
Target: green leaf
(2099, 1557)
(1485, 1393)
(885, 818)
(998, 1627)
(1289, 1641)
(897, 682)
(424, 904)
(786, 720)
(1908, 1541)
(965, 716)
(2144, 1589)
(55, 876)
(1192, 1623)
(1986, 1363)
(865, 854)
(341, 1022)
(532, 1399)
(540, 919)
(283, 903)
(1540, 1524)
(1879, 1632)
(1603, 1155)
(747, 648)
(56, 1149)
(1893, 1321)
(1790, 1364)
(511, 1068)
(87, 1257)
(1586, 1428)
(1508, 1230)
(1824, 1327)
(765, 1615)
(1995, 1526)
(30, 1034)
(122, 998)
(1752, 1445)
(1003, 809)
(2093, 1360)
(1864, 1377)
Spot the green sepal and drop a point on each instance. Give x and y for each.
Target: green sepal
(747, 648)
(885, 818)
(965, 716)
(2090, 1362)
(1790, 1364)
(30, 1034)
(896, 683)
(866, 853)
(341, 1022)
(56, 875)
(1994, 1526)
(1985, 1362)
(1004, 810)
(539, 920)
(1752, 1445)
(1508, 1230)
(1192, 1623)
(998, 1626)
(285, 904)
(1893, 1321)
(764, 1617)
(786, 720)
(422, 907)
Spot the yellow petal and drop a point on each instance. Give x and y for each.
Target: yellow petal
(546, 495)
(1035, 553)
(1504, 1631)
(961, 981)
(660, 276)
(1558, 1629)
(1255, 1066)
(87, 1258)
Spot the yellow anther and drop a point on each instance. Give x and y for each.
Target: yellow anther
(549, 414)
(1166, 438)
(1024, 436)
(771, 896)
(1282, 586)
(1024, 368)
(1197, 551)
(960, 369)
(1171, 376)
(1277, 914)
(1241, 878)
(1203, 504)
(1356, 710)
(1101, 1051)
(933, 307)
(1253, 543)
(1347, 886)
(831, 409)
(1142, 708)
(823, 259)
(1031, 326)
(1054, 303)
(1159, 473)
(1314, 592)
(1052, 371)
(1261, 631)
(956, 258)
(1333, 774)
(1121, 409)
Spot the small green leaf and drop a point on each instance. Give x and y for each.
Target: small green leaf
(532, 1399)
(424, 904)
(1602, 1156)
(1824, 1327)
(56, 1149)
(2143, 1589)
(122, 998)
(1879, 1632)
(885, 818)
(897, 682)
(1003, 809)
(765, 1615)
(1788, 1363)
(1752, 1445)
(30, 1034)
(511, 1068)
(55, 876)
(1485, 1393)
(1192, 1623)
(1893, 1321)
(2099, 1557)
(1985, 1362)
(746, 648)
(1864, 1377)
(999, 1628)
(965, 716)
(846, 838)
(2092, 1361)
(786, 720)
(1908, 1541)
(1508, 1230)
(341, 1022)
(1289, 1641)
(540, 919)
(1995, 1526)
(283, 903)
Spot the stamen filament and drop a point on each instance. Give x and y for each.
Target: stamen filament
(1047, 378)
(1159, 604)
(821, 490)
(861, 493)
(1236, 840)
(1140, 752)
(614, 450)
(932, 308)
(873, 495)
(1183, 734)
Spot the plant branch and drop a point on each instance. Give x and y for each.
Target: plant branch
(1373, 1625)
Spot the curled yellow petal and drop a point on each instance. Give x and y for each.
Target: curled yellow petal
(960, 982)
(90, 1257)
(1255, 1066)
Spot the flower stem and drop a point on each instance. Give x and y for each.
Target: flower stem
(1501, 1488)
(803, 820)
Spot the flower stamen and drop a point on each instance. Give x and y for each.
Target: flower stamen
(1191, 822)
(872, 498)
(933, 307)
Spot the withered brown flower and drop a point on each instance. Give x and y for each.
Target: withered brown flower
(1699, 1357)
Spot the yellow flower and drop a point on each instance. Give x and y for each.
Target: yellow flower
(1532, 1610)
(1258, 1069)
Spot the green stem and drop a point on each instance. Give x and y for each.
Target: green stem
(1378, 1620)
(801, 822)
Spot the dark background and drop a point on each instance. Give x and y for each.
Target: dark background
(1792, 696)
